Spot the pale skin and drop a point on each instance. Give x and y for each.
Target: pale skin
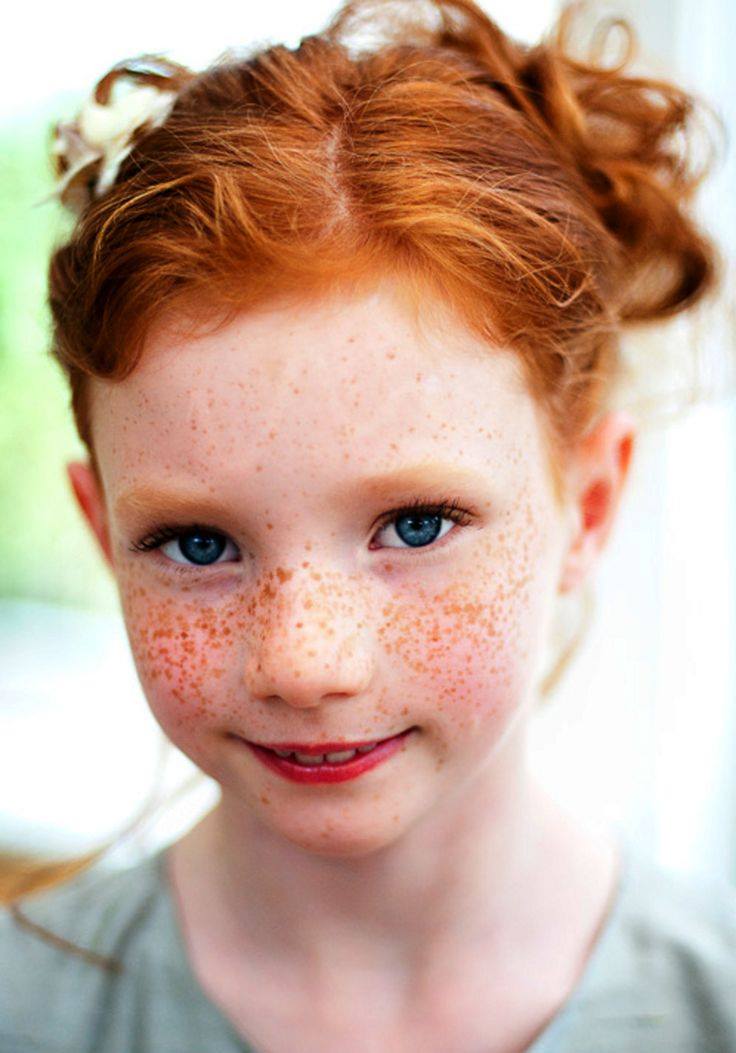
(442, 898)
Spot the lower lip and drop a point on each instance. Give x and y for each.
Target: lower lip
(326, 772)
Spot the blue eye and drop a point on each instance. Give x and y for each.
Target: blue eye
(199, 547)
(421, 524)
(194, 546)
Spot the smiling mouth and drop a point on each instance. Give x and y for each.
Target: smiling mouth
(310, 769)
(329, 752)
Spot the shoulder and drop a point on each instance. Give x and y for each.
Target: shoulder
(664, 974)
(64, 950)
(681, 927)
(95, 911)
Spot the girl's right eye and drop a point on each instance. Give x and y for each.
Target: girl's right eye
(194, 546)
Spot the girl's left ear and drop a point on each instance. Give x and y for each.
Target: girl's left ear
(597, 475)
(92, 503)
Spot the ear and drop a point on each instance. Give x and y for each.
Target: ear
(597, 473)
(92, 503)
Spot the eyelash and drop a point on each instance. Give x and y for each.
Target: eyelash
(447, 509)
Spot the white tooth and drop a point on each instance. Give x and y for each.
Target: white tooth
(335, 758)
(282, 753)
(305, 758)
(367, 749)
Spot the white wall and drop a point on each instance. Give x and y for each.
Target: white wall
(90, 47)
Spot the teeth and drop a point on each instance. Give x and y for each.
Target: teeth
(334, 758)
(306, 758)
(343, 755)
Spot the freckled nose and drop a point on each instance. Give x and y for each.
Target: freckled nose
(306, 665)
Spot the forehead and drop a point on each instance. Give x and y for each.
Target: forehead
(311, 386)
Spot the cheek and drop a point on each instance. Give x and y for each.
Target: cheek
(183, 652)
(468, 651)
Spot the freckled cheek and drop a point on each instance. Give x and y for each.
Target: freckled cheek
(184, 654)
(466, 654)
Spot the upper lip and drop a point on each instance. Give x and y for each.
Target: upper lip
(322, 747)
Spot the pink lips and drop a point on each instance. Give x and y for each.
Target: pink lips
(327, 772)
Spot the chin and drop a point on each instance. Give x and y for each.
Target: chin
(328, 848)
(331, 840)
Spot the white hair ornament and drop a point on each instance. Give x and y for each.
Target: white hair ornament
(87, 152)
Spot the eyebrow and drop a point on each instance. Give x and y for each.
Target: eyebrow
(432, 477)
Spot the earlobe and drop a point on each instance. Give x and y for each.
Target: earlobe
(573, 569)
(92, 503)
(601, 467)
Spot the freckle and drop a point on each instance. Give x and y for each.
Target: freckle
(269, 526)
(284, 575)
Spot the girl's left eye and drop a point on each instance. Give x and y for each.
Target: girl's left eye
(420, 524)
(417, 525)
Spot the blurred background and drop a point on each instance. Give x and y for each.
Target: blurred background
(641, 733)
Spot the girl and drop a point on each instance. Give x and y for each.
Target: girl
(341, 327)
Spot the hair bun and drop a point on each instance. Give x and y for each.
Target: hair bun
(642, 147)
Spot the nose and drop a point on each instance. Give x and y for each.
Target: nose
(308, 650)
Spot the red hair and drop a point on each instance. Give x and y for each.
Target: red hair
(543, 197)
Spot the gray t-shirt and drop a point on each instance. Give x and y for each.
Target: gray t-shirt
(661, 977)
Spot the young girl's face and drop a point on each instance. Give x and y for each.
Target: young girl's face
(306, 608)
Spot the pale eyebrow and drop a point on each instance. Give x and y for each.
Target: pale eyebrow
(431, 479)
(141, 500)
(434, 477)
